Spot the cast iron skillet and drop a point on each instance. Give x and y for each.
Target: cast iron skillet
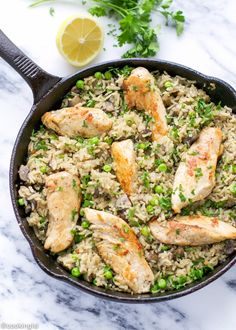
(48, 92)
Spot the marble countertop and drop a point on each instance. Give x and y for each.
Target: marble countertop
(27, 294)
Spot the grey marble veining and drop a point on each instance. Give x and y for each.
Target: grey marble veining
(27, 294)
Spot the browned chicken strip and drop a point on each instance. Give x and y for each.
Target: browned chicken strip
(192, 230)
(63, 200)
(125, 164)
(141, 93)
(120, 249)
(78, 121)
(195, 176)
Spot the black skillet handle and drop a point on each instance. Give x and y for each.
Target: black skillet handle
(39, 80)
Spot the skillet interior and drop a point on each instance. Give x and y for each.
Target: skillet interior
(222, 92)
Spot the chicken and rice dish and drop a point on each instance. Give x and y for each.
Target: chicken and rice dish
(131, 185)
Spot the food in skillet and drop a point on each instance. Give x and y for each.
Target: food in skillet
(192, 230)
(63, 202)
(77, 121)
(141, 156)
(119, 248)
(195, 176)
(125, 164)
(141, 93)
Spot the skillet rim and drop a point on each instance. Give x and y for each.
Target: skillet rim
(60, 273)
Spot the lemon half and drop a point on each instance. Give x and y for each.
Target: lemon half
(79, 39)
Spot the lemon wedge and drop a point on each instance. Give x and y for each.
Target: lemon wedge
(79, 39)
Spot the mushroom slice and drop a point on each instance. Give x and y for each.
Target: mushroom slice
(195, 176)
(120, 249)
(141, 93)
(125, 164)
(78, 121)
(63, 201)
(192, 230)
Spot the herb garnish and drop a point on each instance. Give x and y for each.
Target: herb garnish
(134, 19)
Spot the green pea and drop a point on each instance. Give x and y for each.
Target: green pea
(168, 84)
(141, 146)
(154, 201)
(108, 274)
(162, 283)
(162, 167)
(107, 168)
(158, 189)
(80, 84)
(43, 169)
(149, 209)
(129, 122)
(75, 272)
(233, 188)
(107, 75)
(93, 141)
(145, 231)
(21, 201)
(53, 137)
(98, 75)
(87, 203)
(85, 224)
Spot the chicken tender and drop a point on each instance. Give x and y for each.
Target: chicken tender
(120, 249)
(78, 121)
(125, 164)
(195, 176)
(192, 230)
(63, 200)
(141, 93)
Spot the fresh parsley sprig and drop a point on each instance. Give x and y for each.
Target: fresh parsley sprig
(134, 19)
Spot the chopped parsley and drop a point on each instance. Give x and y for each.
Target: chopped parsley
(74, 213)
(205, 112)
(85, 124)
(125, 229)
(85, 180)
(51, 11)
(146, 179)
(90, 103)
(165, 203)
(177, 231)
(116, 247)
(182, 197)
(41, 145)
(198, 172)
(134, 88)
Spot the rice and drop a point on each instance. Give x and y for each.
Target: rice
(49, 153)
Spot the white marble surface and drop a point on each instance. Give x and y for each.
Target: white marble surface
(27, 294)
